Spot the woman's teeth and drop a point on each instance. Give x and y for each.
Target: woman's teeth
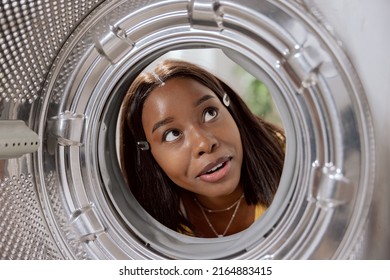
(215, 168)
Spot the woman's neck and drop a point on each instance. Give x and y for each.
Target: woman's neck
(220, 202)
(220, 216)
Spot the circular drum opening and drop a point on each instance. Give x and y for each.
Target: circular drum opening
(128, 208)
(317, 210)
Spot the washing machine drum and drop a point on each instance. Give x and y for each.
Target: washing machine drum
(64, 68)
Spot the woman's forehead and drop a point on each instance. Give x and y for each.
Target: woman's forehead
(180, 89)
(179, 95)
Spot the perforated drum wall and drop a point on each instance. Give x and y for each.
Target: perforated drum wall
(31, 35)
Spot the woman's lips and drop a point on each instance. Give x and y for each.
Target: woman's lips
(215, 171)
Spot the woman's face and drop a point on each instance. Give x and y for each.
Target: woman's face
(193, 137)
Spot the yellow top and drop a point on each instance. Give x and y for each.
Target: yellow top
(260, 209)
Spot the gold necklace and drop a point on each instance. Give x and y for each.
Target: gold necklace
(218, 210)
(202, 209)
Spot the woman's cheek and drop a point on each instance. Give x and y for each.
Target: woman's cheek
(171, 162)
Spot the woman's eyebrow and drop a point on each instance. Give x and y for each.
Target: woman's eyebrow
(204, 98)
(161, 123)
(168, 120)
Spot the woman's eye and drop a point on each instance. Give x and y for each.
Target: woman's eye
(171, 135)
(210, 114)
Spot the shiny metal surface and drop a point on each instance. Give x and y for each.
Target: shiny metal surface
(331, 202)
(365, 41)
(31, 35)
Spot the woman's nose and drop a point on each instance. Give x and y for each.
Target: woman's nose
(202, 141)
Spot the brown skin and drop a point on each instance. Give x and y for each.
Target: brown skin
(188, 128)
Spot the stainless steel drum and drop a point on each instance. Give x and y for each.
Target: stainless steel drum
(64, 66)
